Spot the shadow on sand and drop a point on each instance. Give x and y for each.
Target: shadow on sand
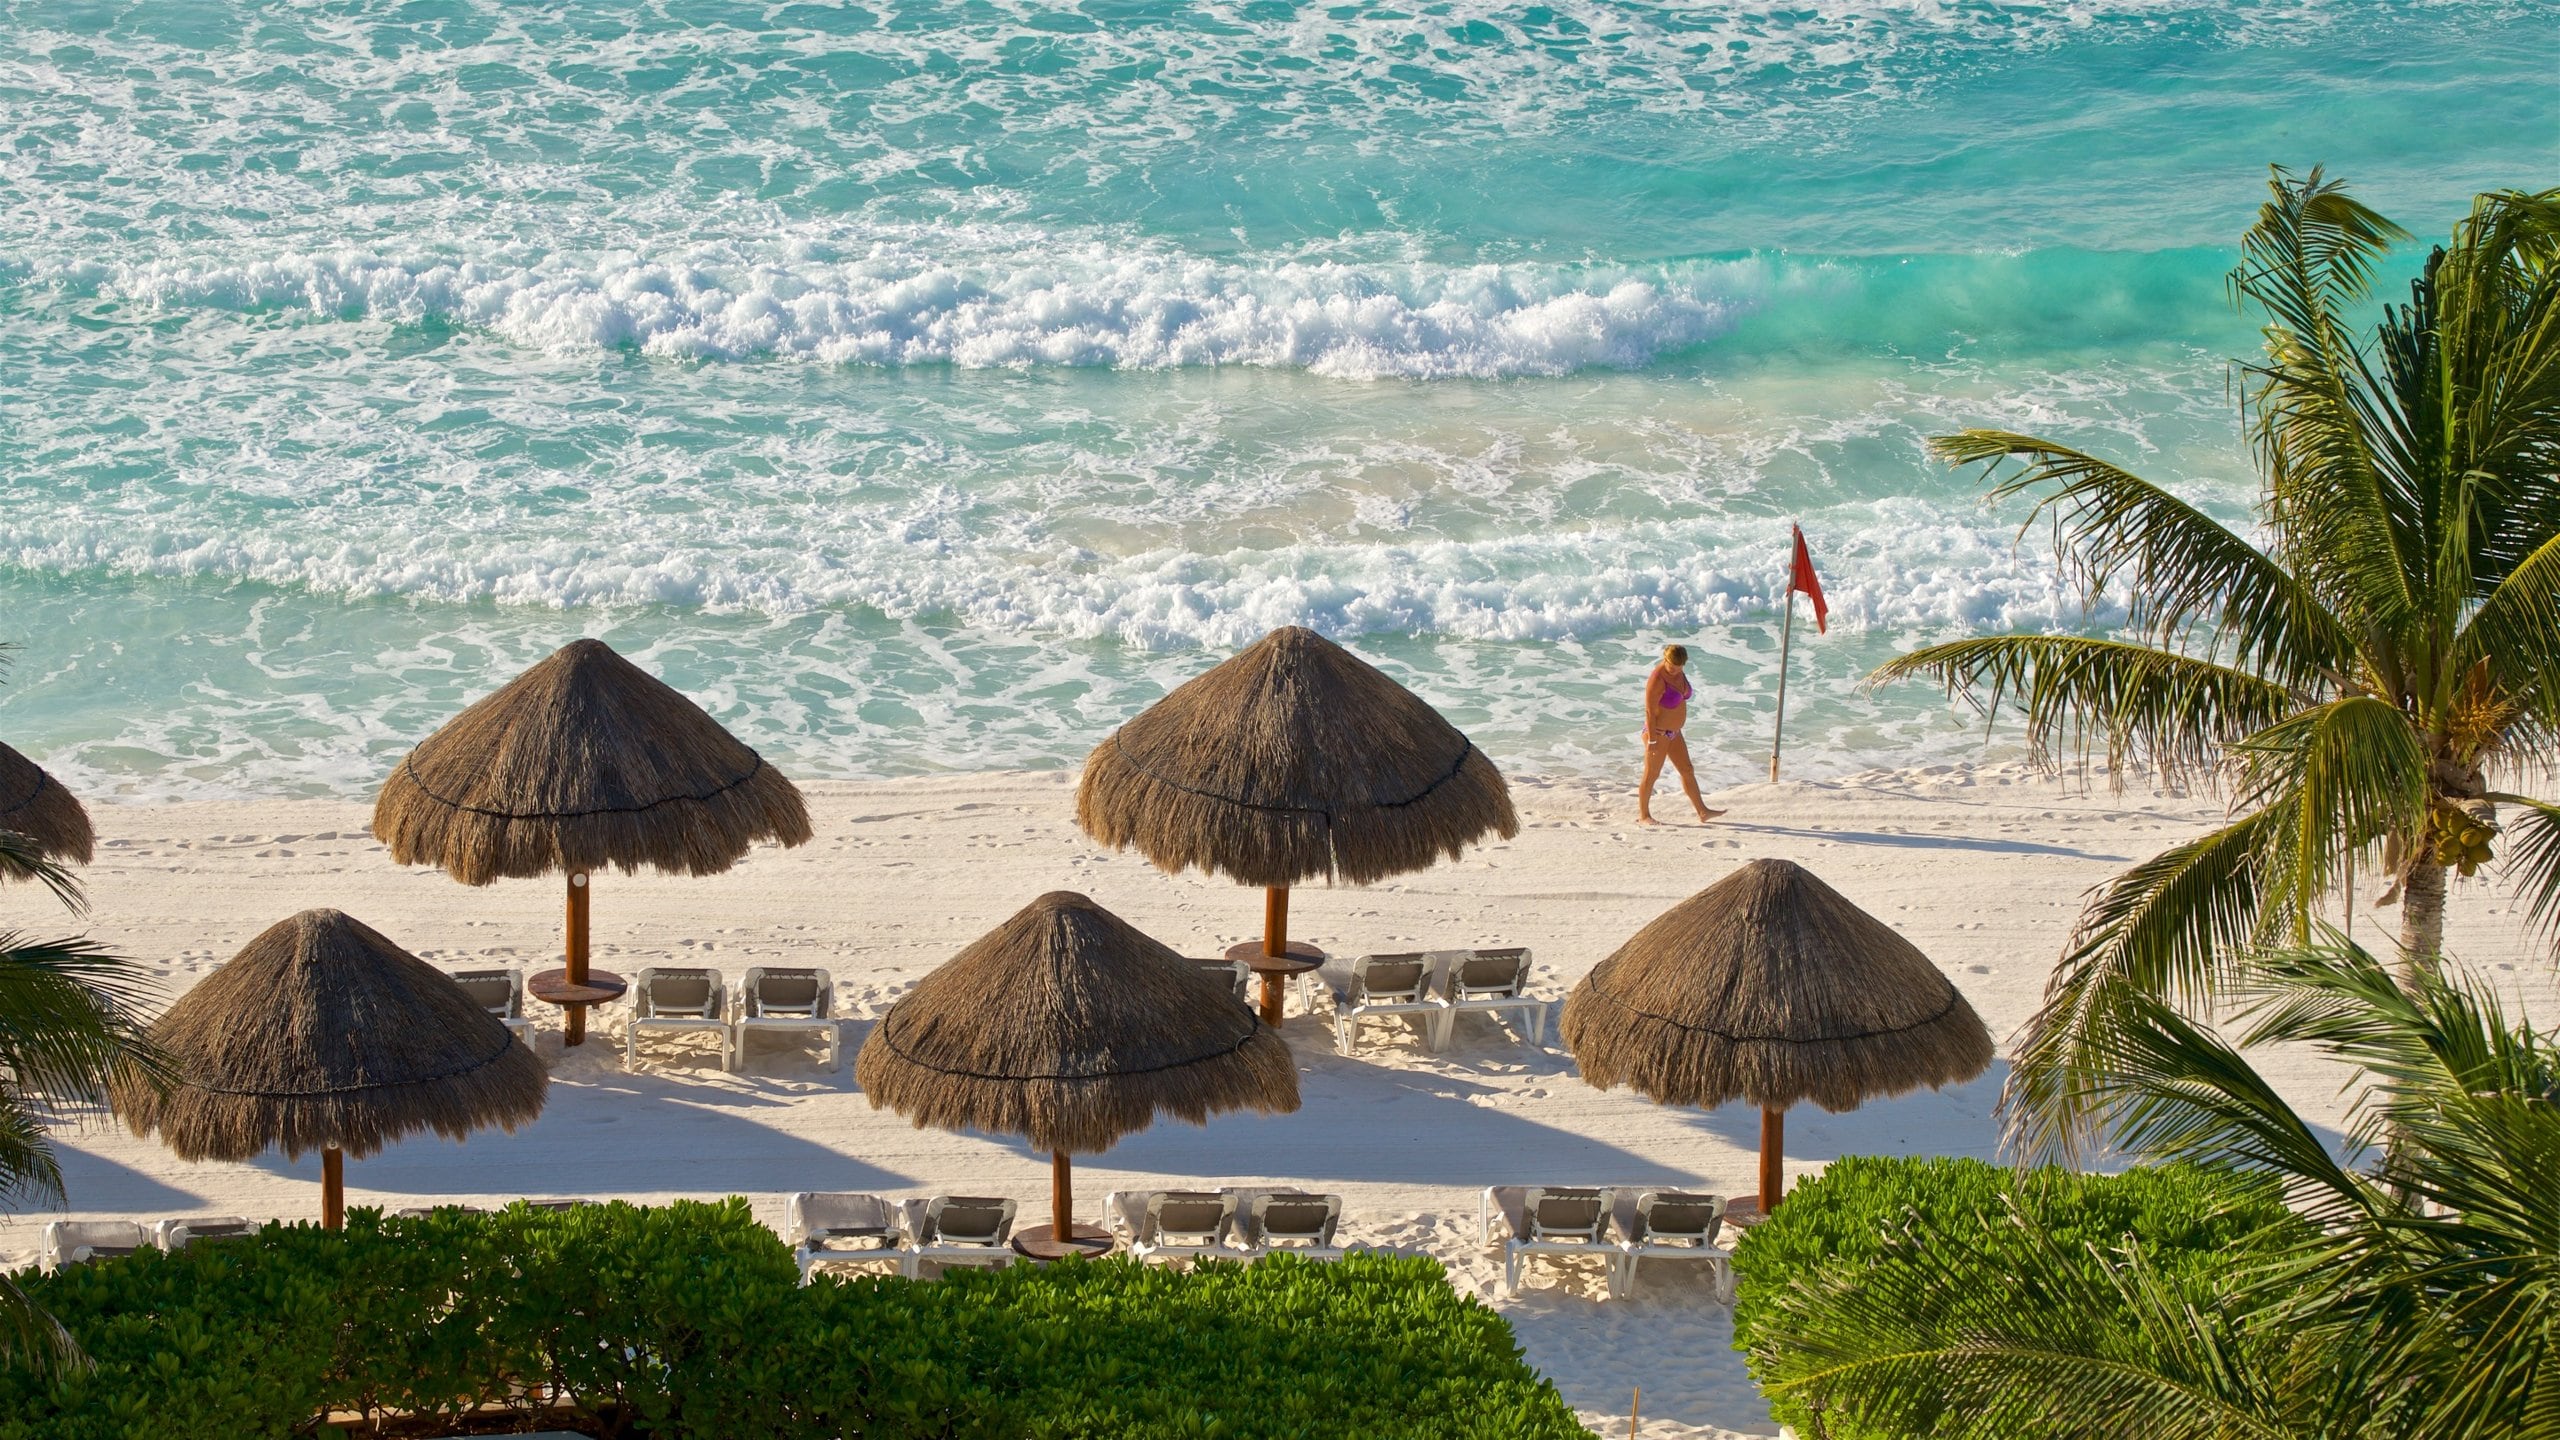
(1925, 842)
(101, 1186)
(670, 1132)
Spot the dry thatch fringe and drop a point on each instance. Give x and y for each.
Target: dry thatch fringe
(1295, 760)
(35, 805)
(1769, 986)
(322, 1032)
(583, 761)
(1069, 1027)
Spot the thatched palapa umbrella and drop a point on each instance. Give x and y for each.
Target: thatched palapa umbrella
(583, 761)
(1293, 761)
(34, 804)
(1069, 1027)
(1769, 986)
(323, 1034)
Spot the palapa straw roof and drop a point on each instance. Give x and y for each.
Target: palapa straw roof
(585, 760)
(1292, 761)
(322, 1032)
(1769, 986)
(1068, 1026)
(35, 805)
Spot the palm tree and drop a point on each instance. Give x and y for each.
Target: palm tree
(71, 1017)
(2420, 1302)
(2373, 683)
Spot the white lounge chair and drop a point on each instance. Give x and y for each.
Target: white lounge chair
(837, 1227)
(1299, 1224)
(1234, 972)
(76, 1242)
(1492, 981)
(1180, 1224)
(501, 993)
(1678, 1225)
(666, 999)
(794, 1000)
(177, 1234)
(958, 1230)
(1389, 985)
(415, 1212)
(1559, 1221)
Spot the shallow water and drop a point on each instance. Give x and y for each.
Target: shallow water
(929, 386)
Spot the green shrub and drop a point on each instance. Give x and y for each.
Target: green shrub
(2189, 1223)
(687, 1321)
(1373, 1346)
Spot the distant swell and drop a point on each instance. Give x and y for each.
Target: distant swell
(1094, 305)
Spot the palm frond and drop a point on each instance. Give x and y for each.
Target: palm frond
(2140, 702)
(2178, 566)
(20, 859)
(2533, 860)
(2337, 460)
(2176, 927)
(28, 1169)
(2468, 1097)
(2311, 252)
(1913, 1343)
(70, 1011)
(2171, 1090)
(2496, 327)
(2515, 633)
(33, 1340)
(2349, 772)
(2466, 1093)
(2418, 1303)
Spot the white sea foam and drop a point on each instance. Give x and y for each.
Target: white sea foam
(1910, 564)
(1088, 305)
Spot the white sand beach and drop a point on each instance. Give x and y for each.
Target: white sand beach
(1983, 867)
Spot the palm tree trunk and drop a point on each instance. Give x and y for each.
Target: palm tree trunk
(2421, 921)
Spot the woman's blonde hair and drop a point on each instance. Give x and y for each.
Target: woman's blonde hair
(1676, 656)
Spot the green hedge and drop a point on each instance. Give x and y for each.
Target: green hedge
(688, 1321)
(2190, 1223)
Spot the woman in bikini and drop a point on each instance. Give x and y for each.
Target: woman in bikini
(1666, 709)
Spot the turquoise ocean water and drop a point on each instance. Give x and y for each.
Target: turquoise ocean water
(928, 386)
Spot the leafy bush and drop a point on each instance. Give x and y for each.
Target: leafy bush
(687, 1321)
(2190, 1223)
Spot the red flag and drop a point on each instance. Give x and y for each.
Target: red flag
(1805, 580)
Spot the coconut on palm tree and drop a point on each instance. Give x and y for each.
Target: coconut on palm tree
(2375, 673)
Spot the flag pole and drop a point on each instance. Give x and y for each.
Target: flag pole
(1786, 639)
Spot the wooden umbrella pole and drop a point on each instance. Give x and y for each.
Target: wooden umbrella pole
(1275, 942)
(1773, 1157)
(573, 1024)
(1062, 1197)
(333, 1188)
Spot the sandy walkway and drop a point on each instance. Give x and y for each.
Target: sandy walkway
(1984, 870)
